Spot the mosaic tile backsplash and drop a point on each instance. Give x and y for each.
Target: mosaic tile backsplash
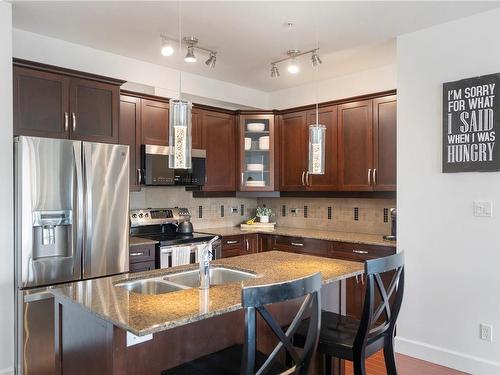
(339, 214)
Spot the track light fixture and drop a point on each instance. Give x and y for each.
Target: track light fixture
(211, 60)
(293, 66)
(192, 43)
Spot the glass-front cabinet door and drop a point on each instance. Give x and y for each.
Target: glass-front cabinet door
(256, 152)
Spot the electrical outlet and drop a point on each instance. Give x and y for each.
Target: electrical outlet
(294, 211)
(483, 209)
(234, 210)
(486, 332)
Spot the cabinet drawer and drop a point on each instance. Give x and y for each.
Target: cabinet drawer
(232, 242)
(142, 266)
(302, 245)
(142, 253)
(360, 252)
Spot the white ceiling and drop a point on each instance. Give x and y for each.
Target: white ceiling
(353, 36)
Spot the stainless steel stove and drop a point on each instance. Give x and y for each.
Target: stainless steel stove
(160, 224)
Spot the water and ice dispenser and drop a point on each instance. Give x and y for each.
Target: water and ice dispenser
(52, 233)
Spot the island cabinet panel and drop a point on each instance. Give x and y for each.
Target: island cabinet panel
(355, 146)
(219, 139)
(41, 103)
(293, 146)
(328, 181)
(265, 242)
(94, 110)
(155, 119)
(130, 134)
(384, 126)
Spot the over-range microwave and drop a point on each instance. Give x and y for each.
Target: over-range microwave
(154, 163)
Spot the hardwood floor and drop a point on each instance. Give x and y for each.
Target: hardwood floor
(406, 366)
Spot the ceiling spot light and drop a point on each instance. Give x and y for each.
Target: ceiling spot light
(293, 67)
(275, 73)
(166, 46)
(315, 59)
(191, 42)
(211, 60)
(190, 57)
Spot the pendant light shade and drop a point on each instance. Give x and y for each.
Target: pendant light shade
(180, 134)
(317, 134)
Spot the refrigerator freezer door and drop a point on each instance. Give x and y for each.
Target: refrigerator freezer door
(48, 246)
(106, 175)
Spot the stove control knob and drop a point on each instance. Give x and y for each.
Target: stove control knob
(134, 216)
(140, 216)
(146, 214)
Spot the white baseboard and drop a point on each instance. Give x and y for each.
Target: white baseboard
(7, 371)
(449, 358)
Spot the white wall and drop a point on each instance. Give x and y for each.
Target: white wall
(30, 46)
(6, 195)
(359, 83)
(452, 258)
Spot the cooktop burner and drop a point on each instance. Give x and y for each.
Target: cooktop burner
(171, 239)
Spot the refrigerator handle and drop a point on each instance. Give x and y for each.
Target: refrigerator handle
(87, 242)
(77, 148)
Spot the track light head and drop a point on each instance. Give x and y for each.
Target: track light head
(190, 57)
(275, 73)
(166, 46)
(316, 61)
(211, 60)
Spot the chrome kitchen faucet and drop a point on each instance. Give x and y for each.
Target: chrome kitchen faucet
(204, 257)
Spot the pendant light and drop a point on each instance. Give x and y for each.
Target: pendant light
(317, 134)
(179, 131)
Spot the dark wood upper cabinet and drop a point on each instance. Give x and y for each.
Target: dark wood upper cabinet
(94, 108)
(384, 126)
(130, 134)
(55, 102)
(41, 105)
(294, 151)
(196, 129)
(219, 139)
(355, 146)
(155, 121)
(326, 182)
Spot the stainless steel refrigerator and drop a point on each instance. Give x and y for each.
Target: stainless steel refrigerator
(71, 223)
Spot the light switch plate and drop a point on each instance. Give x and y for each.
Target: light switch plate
(483, 209)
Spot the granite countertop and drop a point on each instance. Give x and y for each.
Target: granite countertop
(143, 314)
(369, 239)
(137, 241)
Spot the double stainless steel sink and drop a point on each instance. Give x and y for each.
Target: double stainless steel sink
(184, 280)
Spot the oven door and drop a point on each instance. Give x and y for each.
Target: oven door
(173, 256)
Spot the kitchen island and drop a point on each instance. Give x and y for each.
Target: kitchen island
(93, 317)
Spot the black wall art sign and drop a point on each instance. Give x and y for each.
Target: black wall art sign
(471, 124)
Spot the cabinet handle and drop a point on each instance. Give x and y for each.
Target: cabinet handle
(139, 176)
(66, 121)
(303, 173)
(74, 120)
(374, 177)
(247, 247)
(231, 242)
(360, 251)
(242, 179)
(369, 180)
(136, 254)
(307, 178)
(297, 244)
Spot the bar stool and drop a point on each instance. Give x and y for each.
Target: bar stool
(355, 340)
(244, 359)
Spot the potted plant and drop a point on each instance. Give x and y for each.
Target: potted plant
(263, 214)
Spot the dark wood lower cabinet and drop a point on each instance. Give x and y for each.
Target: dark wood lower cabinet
(142, 258)
(239, 245)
